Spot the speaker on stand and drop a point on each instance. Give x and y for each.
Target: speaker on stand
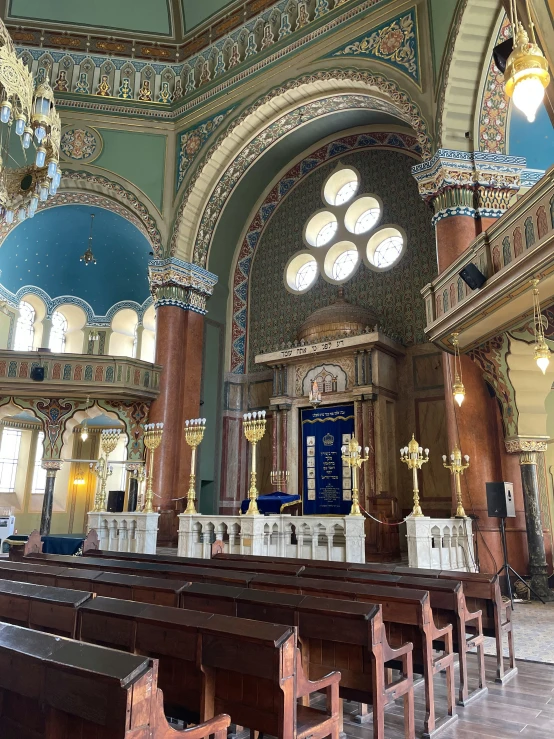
(500, 504)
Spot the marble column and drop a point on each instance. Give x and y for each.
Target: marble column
(51, 466)
(180, 293)
(538, 568)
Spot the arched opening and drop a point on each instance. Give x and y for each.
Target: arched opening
(124, 339)
(148, 344)
(29, 328)
(75, 320)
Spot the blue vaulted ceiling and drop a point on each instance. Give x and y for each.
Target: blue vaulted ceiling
(44, 252)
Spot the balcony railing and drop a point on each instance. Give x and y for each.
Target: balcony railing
(512, 251)
(67, 375)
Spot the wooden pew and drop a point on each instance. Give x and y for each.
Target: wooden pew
(482, 592)
(52, 687)
(408, 617)
(333, 635)
(111, 585)
(41, 607)
(449, 606)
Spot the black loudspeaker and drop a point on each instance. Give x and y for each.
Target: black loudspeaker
(37, 374)
(116, 499)
(500, 499)
(473, 276)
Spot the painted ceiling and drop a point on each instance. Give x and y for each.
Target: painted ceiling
(149, 17)
(44, 252)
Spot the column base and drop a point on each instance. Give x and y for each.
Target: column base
(168, 526)
(539, 583)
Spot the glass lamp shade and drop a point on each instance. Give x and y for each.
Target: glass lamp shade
(21, 214)
(20, 125)
(58, 177)
(10, 216)
(40, 133)
(33, 205)
(542, 356)
(52, 168)
(40, 159)
(84, 434)
(528, 95)
(27, 138)
(42, 106)
(459, 392)
(43, 195)
(5, 111)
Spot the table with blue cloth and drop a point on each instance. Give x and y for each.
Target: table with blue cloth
(271, 503)
(56, 543)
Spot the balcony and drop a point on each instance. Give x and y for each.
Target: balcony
(77, 375)
(518, 247)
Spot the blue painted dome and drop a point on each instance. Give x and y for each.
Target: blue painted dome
(44, 252)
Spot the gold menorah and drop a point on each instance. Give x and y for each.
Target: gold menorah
(279, 479)
(352, 455)
(194, 433)
(412, 456)
(457, 468)
(152, 440)
(108, 442)
(254, 430)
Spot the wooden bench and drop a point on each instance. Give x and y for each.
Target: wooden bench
(52, 687)
(333, 635)
(41, 607)
(482, 592)
(449, 606)
(111, 585)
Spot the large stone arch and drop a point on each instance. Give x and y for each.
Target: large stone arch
(463, 72)
(259, 126)
(88, 188)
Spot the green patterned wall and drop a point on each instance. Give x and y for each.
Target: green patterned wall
(275, 314)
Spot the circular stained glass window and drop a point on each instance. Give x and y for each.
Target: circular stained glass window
(306, 275)
(346, 192)
(326, 233)
(345, 264)
(367, 220)
(388, 251)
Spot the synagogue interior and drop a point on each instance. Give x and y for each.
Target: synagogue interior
(276, 369)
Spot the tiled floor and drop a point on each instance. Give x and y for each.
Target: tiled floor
(533, 633)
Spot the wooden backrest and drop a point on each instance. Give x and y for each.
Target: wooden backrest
(56, 687)
(207, 661)
(41, 607)
(265, 564)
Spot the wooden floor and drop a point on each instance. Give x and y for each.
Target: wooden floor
(524, 707)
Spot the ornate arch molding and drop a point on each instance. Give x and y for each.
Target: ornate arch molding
(463, 74)
(84, 188)
(491, 119)
(270, 118)
(262, 215)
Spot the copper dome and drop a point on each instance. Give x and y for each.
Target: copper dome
(334, 321)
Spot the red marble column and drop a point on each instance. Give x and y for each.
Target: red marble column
(179, 344)
(284, 440)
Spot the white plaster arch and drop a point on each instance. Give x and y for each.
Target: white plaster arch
(76, 321)
(531, 388)
(463, 74)
(124, 325)
(250, 133)
(90, 413)
(41, 312)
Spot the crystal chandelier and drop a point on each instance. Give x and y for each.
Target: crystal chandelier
(526, 72)
(29, 125)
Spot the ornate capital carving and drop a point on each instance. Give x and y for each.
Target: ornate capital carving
(52, 466)
(527, 448)
(468, 183)
(187, 286)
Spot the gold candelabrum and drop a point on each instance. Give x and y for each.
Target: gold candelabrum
(352, 454)
(103, 470)
(152, 440)
(413, 456)
(194, 433)
(279, 479)
(254, 430)
(457, 468)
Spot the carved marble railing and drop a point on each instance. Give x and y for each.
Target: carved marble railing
(441, 543)
(323, 538)
(86, 374)
(125, 532)
(525, 230)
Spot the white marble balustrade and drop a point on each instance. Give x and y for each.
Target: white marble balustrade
(126, 532)
(441, 543)
(322, 538)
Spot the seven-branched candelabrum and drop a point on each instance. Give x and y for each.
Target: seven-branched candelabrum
(254, 430)
(194, 433)
(352, 455)
(103, 470)
(413, 456)
(457, 468)
(152, 440)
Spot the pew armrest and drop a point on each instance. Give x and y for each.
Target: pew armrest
(216, 726)
(389, 653)
(445, 632)
(304, 686)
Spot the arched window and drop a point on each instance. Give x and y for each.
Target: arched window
(135, 341)
(58, 332)
(25, 328)
(39, 474)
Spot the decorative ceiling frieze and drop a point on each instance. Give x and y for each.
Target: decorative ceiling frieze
(395, 42)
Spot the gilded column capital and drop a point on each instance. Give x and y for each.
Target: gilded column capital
(526, 447)
(463, 183)
(178, 283)
(52, 466)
